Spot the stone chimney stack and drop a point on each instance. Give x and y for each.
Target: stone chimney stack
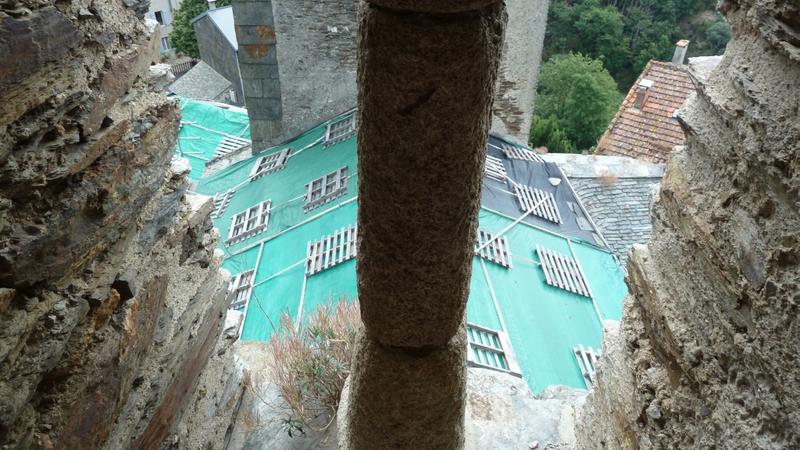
(680, 52)
(642, 93)
(212, 4)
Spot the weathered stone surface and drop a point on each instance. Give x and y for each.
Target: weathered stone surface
(43, 36)
(512, 110)
(502, 413)
(704, 356)
(111, 297)
(420, 170)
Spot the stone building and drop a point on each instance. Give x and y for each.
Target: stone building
(163, 11)
(216, 40)
(298, 65)
(284, 263)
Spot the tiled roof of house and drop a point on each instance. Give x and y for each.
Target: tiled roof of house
(649, 132)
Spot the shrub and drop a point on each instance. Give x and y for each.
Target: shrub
(309, 365)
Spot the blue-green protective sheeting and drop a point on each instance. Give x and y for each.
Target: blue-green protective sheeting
(543, 322)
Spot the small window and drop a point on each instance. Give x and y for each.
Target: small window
(514, 152)
(587, 361)
(495, 168)
(563, 272)
(249, 223)
(331, 250)
(340, 130)
(493, 248)
(160, 18)
(221, 203)
(241, 287)
(543, 203)
(165, 45)
(490, 349)
(229, 144)
(270, 163)
(324, 189)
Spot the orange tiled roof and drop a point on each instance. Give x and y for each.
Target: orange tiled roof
(649, 133)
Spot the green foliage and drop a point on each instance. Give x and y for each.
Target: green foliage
(310, 364)
(545, 133)
(182, 36)
(575, 102)
(624, 34)
(718, 35)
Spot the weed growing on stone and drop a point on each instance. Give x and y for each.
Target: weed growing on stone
(310, 364)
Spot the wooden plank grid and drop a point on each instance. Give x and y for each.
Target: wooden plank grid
(331, 250)
(497, 251)
(514, 152)
(495, 168)
(587, 361)
(229, 144)
(528, 197)
(221, 202)
(340, 130)
(563, 272)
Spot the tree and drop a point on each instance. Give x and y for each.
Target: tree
(718, 35)
(577, 98)
(182, 36)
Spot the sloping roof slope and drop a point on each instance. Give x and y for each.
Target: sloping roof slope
(649, 133)
(617, 192)
(201, 82)
(223, 19)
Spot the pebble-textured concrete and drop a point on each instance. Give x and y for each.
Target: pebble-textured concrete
(426, 83)
(707, 349)
(407, 398)
(425, 86)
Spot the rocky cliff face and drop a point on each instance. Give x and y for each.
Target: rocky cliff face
(706, 355)
(110, 295)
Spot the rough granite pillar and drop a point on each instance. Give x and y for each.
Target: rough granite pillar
(427, 72)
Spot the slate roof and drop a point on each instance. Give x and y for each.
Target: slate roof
(618, 193)
(649, 133)
(201, 82)
(222, 18)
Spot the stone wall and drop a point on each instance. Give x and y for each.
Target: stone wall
(512, 111)
(706, 354)
(110, 294)
(300, 69)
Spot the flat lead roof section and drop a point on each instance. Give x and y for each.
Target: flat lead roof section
(499, 196)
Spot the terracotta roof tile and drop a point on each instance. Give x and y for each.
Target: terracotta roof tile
(649, 133)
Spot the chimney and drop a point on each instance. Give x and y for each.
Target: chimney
(212, 4)
(680, 52)
(642, 93)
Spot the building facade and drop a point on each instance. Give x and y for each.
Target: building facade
(542, 283)
(162, 11)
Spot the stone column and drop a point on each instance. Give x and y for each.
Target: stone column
(426, 79)
(258, 69)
